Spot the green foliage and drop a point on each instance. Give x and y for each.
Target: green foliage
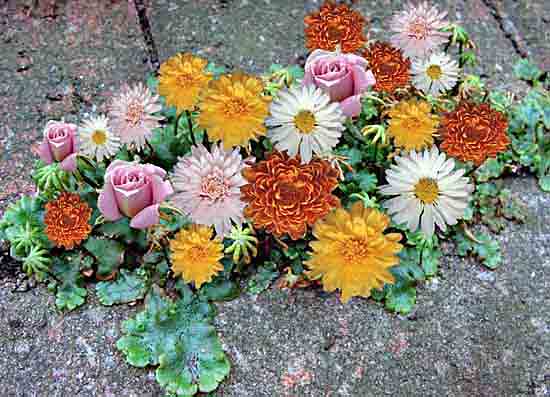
(68, 281)
(179, 338)
(220, 289)
(491, 168)
(22, 225)
(262, 279)
(529, 127)
(128, 287)
(121, 230)
(51, 179)
(37, 262)
(526, 70)
(168, 145)
(482, 245)
(109, 254)
(492, 204)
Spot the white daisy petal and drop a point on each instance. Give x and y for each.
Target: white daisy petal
(426, 189)
(96, 139)
(309, 122)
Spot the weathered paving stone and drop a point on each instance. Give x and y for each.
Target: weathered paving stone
(474, 332)
(60, 61)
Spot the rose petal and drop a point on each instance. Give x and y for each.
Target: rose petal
(107, 203)
(362, 79)
(69, 163)
(130, 202)
(337, 89)
(115, 164)
(351, 106)
(149, 216)
(161, 189)
(45, 153)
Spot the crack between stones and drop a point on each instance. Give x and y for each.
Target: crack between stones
(508, 27)
(143, 20)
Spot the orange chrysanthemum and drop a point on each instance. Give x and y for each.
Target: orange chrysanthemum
(285, 196)
(66, 220)
(474, 132)
(390, 68)
(335, 25)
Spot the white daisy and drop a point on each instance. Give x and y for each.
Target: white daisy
(96, 139)
(435, 74)
(304, 120)
(428, 191)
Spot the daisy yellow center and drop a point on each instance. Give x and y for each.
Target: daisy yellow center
(418, 29)
(213, 187)
(134, 113)
(434, 72)
(426, 190)
(354, 251)
(305, 121)
(99, 137)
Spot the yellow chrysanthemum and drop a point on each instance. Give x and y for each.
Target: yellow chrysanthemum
(412, 124)
(352, 253)
(182, 79)
(195, 255)
(234, 110)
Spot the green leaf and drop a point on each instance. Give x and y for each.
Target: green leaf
(109, 254)
(485, 247)
(526, 70)
(263, 278)
(400, 298)
(488, 251)
(220, 290)
(544, 183)
(491, 168)
(353, 155)
(121, 229)
(168, 147)
(128, 287)
(430, 261)
(70, 291)
(367, 181)
(180, 339)
(216, 70)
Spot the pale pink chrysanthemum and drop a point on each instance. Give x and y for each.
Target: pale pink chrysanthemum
(208, 187)
(131, 113)
(418, 29)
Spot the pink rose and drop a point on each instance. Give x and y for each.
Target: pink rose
(342, 76)
(133, 190)
(59, 144)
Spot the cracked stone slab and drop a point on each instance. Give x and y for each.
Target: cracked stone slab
(474, 332)
(60, 61)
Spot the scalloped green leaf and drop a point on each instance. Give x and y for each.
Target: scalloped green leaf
(109, 254)
(179, 338)
(70, 291)
(128, 287)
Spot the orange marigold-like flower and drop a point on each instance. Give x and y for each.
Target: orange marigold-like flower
(474, 132)
(66, 220)
(285, 196)
(390, 68)
(335, 25)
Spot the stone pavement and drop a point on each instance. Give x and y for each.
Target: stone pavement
(475, 333)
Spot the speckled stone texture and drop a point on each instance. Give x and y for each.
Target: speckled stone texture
(474, 332)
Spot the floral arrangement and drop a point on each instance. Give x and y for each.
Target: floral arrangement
(344, 174)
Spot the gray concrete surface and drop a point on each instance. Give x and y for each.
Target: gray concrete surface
(474, 333)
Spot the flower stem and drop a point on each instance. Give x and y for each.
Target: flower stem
(190, 125)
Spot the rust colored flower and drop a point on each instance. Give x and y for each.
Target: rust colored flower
(335, 25)
(66, 220)
(474, 132)
(285, 196)
(390, 68)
